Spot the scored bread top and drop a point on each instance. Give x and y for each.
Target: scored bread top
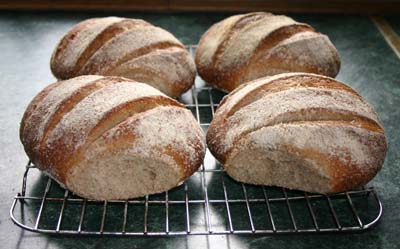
(74, 44)
(247, 38)
(165, 70)
(127, 46)
(157, 133)
(109, 46)
(286, 98)
(245, 47)
(345, 156)
(67, 117)
(302, 120)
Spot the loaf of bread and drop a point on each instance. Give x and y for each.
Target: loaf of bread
(130, 48)
(111, 137)
(300, 131)
(245, 47)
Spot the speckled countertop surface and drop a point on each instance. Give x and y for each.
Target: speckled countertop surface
(368, 65)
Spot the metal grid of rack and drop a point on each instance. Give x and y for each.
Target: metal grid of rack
(209, 202)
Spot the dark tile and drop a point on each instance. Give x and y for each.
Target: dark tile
(394, 21)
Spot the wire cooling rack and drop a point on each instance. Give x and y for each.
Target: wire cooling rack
(209, 202)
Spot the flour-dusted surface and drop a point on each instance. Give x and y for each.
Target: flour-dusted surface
(321, 146)
(299, 104)
(126, 46)
(146, 142)
(159, 131)
(76, 125)
(38, 119)
(296, 117)
(326, 137)
(261, 44)
(150, 152)
(51, 102)
(306, 51)
(245, 41)
(101, 45)
(259, 90)
(242, 91)
(75, 44)
(216, 35)
(163, 69)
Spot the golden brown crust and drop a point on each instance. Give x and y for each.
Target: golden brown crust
(60, 148)
(63, 155)
(290, 82)
(348, 119)
(228, 82)
(106, 35)
(259, 63)
(173, 74)
(100, 45)
(204, 58)
(240, 23)
(99, 68)
(342, 111)
(144, 136)
(33, 104)
(346, 176)
(64, 42)
(28, 112)
(68, 103)
(189, 166)
(268, 85)
(128, 134)
(276, 84)
(313, 53)
(36, 116)
(339, 165)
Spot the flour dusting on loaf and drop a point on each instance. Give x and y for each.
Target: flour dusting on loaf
(74, 44)
(298, 104)
(37, 119)
(75, 126)
(164, 71)
(166, 121)
(100, 45)
(246, 40)
(260, 44)
(127, 46)
(298, 130)
(112, 138)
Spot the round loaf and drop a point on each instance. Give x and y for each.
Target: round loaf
(111, 137)
(245, 47)
(299, 131)
(131, 48)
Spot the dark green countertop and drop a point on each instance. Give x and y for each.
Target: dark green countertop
(368, 65)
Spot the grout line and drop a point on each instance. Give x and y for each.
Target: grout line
(391, 37)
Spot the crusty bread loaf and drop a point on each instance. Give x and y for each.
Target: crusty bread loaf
(300, 131)
(245, 47)
(111, 137)
(130, 48)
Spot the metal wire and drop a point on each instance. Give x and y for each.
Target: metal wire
(273, 212)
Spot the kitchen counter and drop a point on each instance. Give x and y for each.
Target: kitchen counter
(368, 64)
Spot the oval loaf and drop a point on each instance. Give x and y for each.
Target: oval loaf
(130, 48)
(299, 131)
(245, 47)
(111, 137)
